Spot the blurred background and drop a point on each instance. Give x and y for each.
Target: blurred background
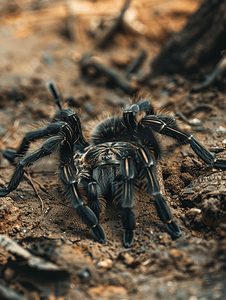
(46, 39)
(104, 54)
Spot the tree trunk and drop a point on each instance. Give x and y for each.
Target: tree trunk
(198, 47)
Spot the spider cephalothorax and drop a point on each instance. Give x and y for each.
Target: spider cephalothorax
(122, 152)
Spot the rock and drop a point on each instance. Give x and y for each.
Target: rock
(105, 263)
(189, 166)
(84, 274)
(174, 184)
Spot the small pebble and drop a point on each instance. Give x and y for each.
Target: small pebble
(141, 250)
(221, 129)
(84, 274)
(17, 227)
(195, 121)
(170, 283)
(8, 274)
(160, 291)
(24, 230)
(105, 263)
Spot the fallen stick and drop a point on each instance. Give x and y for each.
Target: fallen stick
(137, 62)
(107, 35)
(28, 177)
(217, 73)
(116, 78)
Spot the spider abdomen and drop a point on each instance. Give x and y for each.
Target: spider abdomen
(110, 129)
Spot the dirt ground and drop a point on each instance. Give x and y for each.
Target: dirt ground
(46, 251)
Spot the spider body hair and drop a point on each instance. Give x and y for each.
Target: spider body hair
(110, 161)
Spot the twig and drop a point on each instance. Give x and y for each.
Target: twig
(28, 177)
(107, 36)
(118, 80)
(6, 167)
(47, 211)
(42, 172)
(40, 185)
(65, 205)
(217, 73)
(181, 116)
(203, 106)
(137, 62)
(158, 172)
(11, 131)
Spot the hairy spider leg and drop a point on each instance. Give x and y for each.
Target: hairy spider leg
(62, 116)
(54, 93)
(124, 198)
(67, 115)
(143, 135)
(71, 117)
(48, 147)
(147, 167)
(72, 142)
(32, 136)
(92, 189)
(113, 179)
(145, 105)
(129, 113)
(167, 125)
(149, 144)
(60, 119)
(66, 173)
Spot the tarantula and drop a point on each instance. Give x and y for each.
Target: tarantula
(122, 153)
